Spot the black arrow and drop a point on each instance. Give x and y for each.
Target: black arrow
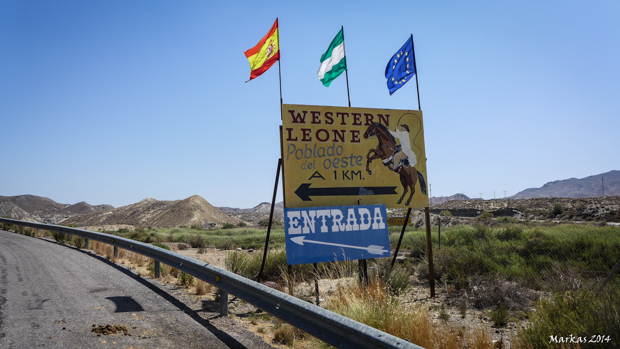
(305, 192)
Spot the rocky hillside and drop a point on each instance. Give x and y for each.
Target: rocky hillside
(44, 210)
(257, 213)
(441, 199)
(153, 213)
(576, 188)
(566, 209)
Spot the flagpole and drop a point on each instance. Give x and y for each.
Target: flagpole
(280, 72)
(429, 244)
(346, 71)
(280, 78)
(416, 72)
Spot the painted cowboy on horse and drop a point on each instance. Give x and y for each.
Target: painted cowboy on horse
(404, 156)
(397, 157)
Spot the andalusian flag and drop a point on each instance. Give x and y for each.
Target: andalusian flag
(333, 62)
(265, 53)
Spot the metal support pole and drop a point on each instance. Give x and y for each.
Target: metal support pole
(115, 251)
(429, 251)
(439, 225)
(402, 233)
(316, 283)
(223, 303)
(273, 203)
(157, 269)
(362, 271)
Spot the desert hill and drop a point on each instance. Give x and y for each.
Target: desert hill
(84, 207)
(153, 213)
(41, 209)
(441, 199)
(10, 210)
(576, 188)
(256, 213)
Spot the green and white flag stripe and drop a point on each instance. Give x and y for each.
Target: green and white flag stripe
(333, 62)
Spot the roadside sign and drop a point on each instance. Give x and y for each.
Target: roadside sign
(398, 221)
(328, 234)
(339, 156)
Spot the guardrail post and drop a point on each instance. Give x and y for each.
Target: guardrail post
(115, 251)
(21, 229)
(157, 269)
(223, 303)
(85, 244)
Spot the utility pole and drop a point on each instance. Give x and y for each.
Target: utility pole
(603, 184)
(493, 194)
(480, 195)
(504, 194)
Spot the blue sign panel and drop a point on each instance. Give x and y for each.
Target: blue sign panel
(328, 234)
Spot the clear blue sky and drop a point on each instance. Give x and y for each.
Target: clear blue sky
(110, 102)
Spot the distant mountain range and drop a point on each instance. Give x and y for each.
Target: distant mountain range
(39, 209)
(197, 211)
(149, 212)
(591, 186)
(153, 213)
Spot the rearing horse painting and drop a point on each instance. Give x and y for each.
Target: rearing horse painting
(385, 150)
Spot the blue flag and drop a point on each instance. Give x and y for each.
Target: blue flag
(401, 67)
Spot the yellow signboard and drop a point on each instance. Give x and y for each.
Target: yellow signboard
(339, 156)
(398, 221)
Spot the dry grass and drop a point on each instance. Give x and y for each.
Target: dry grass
(137, 259)
(287, 334)
(203, 288)
(102, 249)
(375, 306)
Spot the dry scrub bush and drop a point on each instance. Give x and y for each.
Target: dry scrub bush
(287, 334)
(202, 288)
(78, 241)
(28, 231)
(197, 241)
(185, 279)
(59, 237)
(485, 292)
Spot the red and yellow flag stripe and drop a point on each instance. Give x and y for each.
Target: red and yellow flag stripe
(265, 53)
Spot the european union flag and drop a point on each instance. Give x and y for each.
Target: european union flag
(401, 67)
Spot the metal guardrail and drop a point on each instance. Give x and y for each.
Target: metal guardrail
(325, 325)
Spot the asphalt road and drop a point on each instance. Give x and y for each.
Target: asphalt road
(52, 295)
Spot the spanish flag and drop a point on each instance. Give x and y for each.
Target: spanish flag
(265, 53)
